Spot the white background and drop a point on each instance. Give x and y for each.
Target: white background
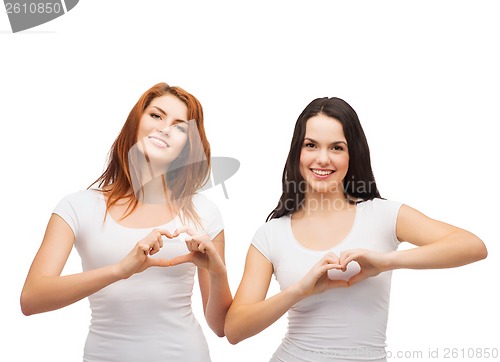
(423, 76)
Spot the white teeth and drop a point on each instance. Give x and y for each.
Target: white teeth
(158, 141)
(322, 172)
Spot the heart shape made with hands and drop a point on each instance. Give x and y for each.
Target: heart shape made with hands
(352, 269)
(181, 237)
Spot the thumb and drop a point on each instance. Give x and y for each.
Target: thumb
(356, 278)
(159, 262)
(187, 258)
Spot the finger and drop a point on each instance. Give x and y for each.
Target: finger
(347, 258)
(328, 260)
(331, 258)
(191, 245)
(159, 262)
(155, 237)
(201, 248)
(333, 255)
(357, 278)
(211, 250)
(337, 283)
(326, 267)
(144, 248)
(154, 249)
(163, 232)
(184, 229)
(187, 258)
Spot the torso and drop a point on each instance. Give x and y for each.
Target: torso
(322, 231)
(147, 316)
(342, 320)
(143, 216)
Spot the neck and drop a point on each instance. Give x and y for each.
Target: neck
(153, 192)
(324, 203)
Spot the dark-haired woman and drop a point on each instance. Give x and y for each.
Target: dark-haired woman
(132, 231)
(331, 243)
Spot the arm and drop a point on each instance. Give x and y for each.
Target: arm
(251, 312)
(45, 289)
(208, 256)
(215, 292)
(438, 245)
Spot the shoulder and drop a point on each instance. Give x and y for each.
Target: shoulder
(269, 237)
(79, 207)
(209, 215)
(80, 200)
(82, 196)
(381, 205)
(381, 214)
(273, 226)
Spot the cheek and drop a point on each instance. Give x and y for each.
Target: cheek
(144, 129)
(306, 158)
(179, 141)
(343, 162)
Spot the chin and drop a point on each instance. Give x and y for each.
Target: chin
(323, 187)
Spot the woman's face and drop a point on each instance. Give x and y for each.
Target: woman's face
(324, 158)
(163, 129)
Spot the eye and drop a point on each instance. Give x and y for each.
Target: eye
(155, 116)
(179, 127)
(338, 148)
(309, 145)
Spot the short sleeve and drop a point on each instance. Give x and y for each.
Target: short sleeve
(388, 212)
(261, 241)
(210, 216)
(67, 209)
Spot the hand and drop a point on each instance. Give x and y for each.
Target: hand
(372, 263)
(139, 258)
(347, 273)
(202, 251)
(317, 281)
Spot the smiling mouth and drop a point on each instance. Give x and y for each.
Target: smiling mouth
(159, 142)
(321, 173)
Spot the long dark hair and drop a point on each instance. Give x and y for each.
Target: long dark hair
(359, 182)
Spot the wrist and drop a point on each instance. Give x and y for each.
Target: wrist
(392, 261)
(118, 272)
(221, 272)
(295, 292)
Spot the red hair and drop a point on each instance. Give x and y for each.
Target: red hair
(185, 179)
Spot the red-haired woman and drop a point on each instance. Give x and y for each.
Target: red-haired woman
(143, 212)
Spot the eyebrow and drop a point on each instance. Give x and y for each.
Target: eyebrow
(333, 143)
(164, 113)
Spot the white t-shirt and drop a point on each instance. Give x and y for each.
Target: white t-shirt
(148, 316)
(339, 324)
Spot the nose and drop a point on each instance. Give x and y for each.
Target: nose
(164, 129)
(323, 158)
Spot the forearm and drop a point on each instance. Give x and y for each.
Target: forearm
(219, 301)
(246, 320)
(45, 293)
(456, 249)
